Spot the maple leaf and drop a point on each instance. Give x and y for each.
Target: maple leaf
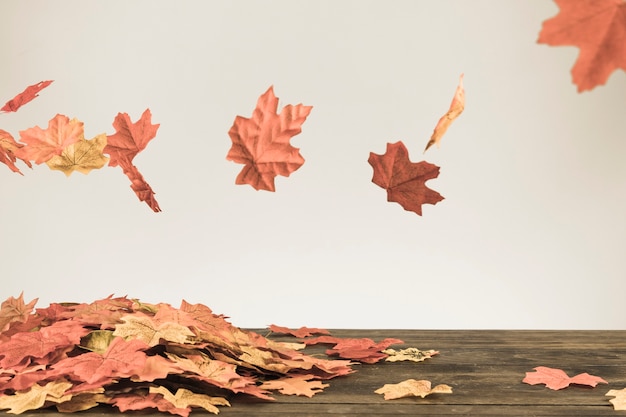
(299, 333)
(404, 180)
(83, 401)
(557, 379)
(137, 401)
(8, 146)
(82, 156)
(409, 354)
(130, 139)
(145, 329)
(185, 398)
(295, 385)
(456, 108)
(619, 402)
(14, 310)
(598, 28)
(360, 349)
(122, 359)
(35, 397)
(261, 143)
(42, 145)
(412, 388)
(25, 96)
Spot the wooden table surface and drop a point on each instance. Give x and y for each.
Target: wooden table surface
(484, 367)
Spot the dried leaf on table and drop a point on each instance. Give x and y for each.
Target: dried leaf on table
(409, 354)
(557, 379)
(412, 388)
(619, 402)
(598, 29)
(302, 332)
(295, 385)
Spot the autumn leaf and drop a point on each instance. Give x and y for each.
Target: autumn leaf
(557, 379)
(35, 397)
(598, 29)
(299, 333)
(81, 402)
(412, 388)
(295, 385)
(456, 108)
(42, 145)
(261, 143)
(30, 93)
(14, 310)
(139, 401)
(130, 139)
(8, 146)
(143, 328)
(619, 402)
(360, 349)
(82, 156)
(404, 180)
(409, 354)
(185, 398)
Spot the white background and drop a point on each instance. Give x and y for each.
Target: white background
(532, 233)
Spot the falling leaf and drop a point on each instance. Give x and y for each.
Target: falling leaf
(35, 397)
(404, 180)
(25, 96)
(412, 388)
(82, 156)
(619, 402)
(409, 354)
(185, 398)
(598, 29)
(42, 145)
(557, 379)
(130, 139)
(295, 385)
(456, 108)
(299, 333)
(8, 146)
(261, 143)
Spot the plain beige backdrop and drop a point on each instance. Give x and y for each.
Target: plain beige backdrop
(531, 234)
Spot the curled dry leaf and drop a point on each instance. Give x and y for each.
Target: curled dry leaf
(29, 94)
(456, 108)
(412, 388)
(405, 181)
(619, 402)
(409, 354)
(557, 379)
(598, 29)
(261, 143)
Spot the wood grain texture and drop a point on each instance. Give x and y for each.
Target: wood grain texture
(484, 367)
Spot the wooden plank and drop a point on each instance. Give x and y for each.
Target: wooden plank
(484, 367)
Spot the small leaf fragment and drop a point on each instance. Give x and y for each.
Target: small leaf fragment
(619, 402)
(456, 108)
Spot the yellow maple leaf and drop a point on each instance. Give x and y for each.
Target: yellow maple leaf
(409, 354)
(412, 388)
(185, 398)
(619, 402)
(35, 397)
(146, 330)
(82, 156)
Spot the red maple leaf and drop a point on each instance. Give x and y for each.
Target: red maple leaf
(261, 143)
(598, 28)
(299, 333)
(8, 146)
(122, 359)
(359, 349)
(25, 96)
(42, 145)
(404, 180)
(130, 139)
(557, 379)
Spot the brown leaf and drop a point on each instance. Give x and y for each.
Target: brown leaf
(8, 146)
(14, 310)
(412, 388)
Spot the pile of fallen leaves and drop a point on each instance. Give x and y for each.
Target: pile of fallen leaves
(134, 356)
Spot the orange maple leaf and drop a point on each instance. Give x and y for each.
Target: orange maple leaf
(30, 93)
(261, 143)
(404, 180)
(130, 139)
(456, 108)
(557, 379)
(296, 385)
(598, 28)
(42, 145)
(8, 146)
